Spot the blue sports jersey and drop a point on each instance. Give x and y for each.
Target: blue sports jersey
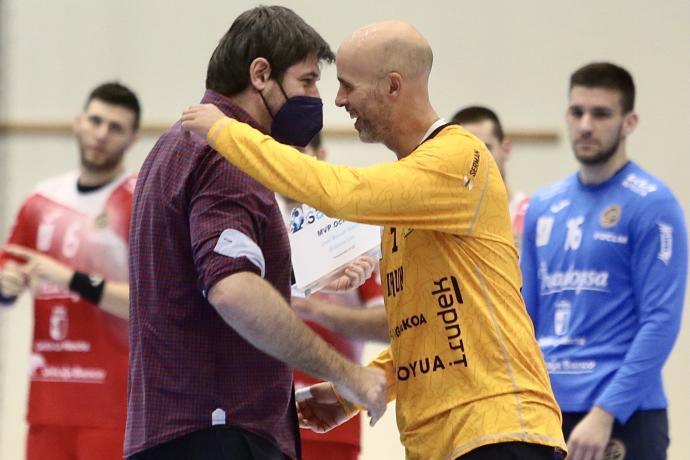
(604, 272)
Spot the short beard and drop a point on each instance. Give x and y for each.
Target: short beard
(602, 156)
(109, 165)
(371, 135)
(376, 133)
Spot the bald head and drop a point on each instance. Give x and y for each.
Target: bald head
(388, 46)
(383, 70)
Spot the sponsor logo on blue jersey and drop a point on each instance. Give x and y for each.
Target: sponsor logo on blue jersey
(639, 185)
(572, 280)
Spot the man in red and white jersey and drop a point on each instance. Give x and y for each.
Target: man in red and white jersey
(68, 247)
(485, 124)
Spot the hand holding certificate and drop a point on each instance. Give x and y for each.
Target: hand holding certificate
(323, 247)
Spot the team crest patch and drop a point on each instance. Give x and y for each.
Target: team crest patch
(611, 216)
(101, 220)
(615, 450)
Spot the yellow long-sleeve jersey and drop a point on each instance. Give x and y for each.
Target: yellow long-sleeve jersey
(463, 361)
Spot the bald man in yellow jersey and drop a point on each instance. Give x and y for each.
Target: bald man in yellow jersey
(463, 363)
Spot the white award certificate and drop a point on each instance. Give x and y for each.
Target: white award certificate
(322, 246)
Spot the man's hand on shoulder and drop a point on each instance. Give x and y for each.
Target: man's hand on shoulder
(200, 118)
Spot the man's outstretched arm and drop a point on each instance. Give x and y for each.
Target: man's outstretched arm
(257, 312)
(439, 187)
(357, 323)
(110, 296)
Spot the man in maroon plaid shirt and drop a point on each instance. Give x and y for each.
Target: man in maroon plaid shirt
(212, 337)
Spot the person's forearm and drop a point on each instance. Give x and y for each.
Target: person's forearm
(116, 299)
(256, 311)
(362, 324)
(643, 362)
(109, 296)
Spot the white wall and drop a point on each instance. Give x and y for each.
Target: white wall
(514, 56)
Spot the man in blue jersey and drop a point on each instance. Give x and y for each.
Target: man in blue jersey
(604, 262)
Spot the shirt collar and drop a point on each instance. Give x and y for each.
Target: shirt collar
(229, 108)
(434, 126)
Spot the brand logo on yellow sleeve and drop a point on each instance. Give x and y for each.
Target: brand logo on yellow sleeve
(468, 180)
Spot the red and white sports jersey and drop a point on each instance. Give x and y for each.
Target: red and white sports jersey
(367, 295)
(79, 356)
(519, 202)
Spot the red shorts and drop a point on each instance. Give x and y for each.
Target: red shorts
(74, 443)
(320, 450)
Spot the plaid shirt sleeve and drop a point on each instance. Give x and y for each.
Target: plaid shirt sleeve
(221, 200)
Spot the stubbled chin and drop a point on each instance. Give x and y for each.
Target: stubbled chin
(366, 138)
(586, 151)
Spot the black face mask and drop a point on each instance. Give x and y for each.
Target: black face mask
(298, 120)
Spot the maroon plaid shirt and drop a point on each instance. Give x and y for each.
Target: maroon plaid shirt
(185, 361)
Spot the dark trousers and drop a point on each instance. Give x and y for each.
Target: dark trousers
(513, 451)
(215, 443)
(643, 437)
